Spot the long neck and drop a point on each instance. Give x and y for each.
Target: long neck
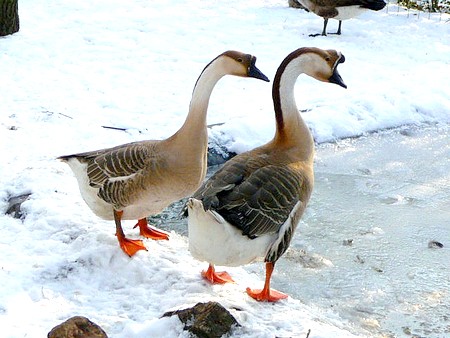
(195, 127)
(291, 129)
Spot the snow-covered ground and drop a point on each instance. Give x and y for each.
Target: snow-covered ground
(77, 66)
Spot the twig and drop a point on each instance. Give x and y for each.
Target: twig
(215, 124)
(70, 117)
(115, 128)
(51, 113)
(309, 331)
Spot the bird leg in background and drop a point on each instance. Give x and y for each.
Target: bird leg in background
(266, 294)
(338, 31)
(149, 232)
(129, 246)
(325, 23)
(324, 32)
(339, 28)
(216, 277)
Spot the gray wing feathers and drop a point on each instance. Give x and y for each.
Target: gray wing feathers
(257, 204)
(263, 202)
(282, 243)
(120, 162)
(118, 171)
(224, 180)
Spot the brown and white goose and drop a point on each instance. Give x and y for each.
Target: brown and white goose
(340, 10)
(135, 180)
(249, 208)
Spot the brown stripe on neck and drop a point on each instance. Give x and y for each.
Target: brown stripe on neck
(276, 87)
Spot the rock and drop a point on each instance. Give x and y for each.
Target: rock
(347, 242)
(435, 245)
(359, 260)
(218, 155)
(218, 143)
(206, 320)
(77, 327)
(306, 259)
(14, 205)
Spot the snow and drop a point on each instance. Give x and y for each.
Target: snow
(77, 66)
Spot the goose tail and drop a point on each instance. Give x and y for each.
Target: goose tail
(374, 5)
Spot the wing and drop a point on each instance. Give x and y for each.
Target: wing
(342, 3)
(257, 201)
(119, 173)
(119, 162)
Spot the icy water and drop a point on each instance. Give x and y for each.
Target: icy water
(369, 246)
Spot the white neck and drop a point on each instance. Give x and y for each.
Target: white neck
(195, 123)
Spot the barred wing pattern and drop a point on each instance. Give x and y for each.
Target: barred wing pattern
(257, 202)
(117, 170)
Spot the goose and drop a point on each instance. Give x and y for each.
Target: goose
(135, 180)
(249, 209)
(340, 10)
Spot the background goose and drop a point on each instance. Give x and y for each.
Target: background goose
(340, 9)
(250, 208)
(135, 180)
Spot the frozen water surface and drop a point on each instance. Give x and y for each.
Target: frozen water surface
(368, 246)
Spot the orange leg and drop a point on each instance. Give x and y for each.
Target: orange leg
(129, 246)
(266, 294)
(216, 277)
(149, 232)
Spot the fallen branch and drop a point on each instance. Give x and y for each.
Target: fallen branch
(115, 128)
(215, 124)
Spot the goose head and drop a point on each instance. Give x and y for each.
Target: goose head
(315, 62)
(240, 64)
(322, 65)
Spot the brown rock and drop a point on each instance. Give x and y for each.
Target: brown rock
(77, 327)
(206, 320)
(15, 204)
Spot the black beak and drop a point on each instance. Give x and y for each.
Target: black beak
(253, 71)
(336, 77)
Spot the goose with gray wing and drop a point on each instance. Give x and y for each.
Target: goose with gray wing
(249, 209)
(340, 10)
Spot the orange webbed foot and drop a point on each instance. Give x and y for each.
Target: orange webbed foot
(131, 246)
(266, 295)
(217, 277)
(150, 232)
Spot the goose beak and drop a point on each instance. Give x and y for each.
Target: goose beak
(336, 77)
(253, 71)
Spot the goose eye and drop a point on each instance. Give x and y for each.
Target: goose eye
(327, 58)
(240, 60)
